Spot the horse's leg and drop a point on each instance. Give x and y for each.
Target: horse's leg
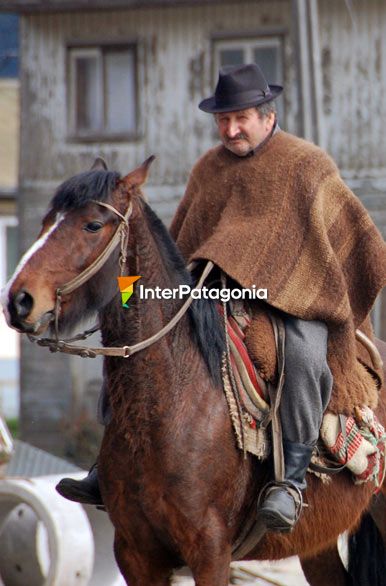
(325, 569)
(209, 554)
(138, 569)
(213, 568)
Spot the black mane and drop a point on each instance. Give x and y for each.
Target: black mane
(207, 325)
(77, 191)
(207, 328)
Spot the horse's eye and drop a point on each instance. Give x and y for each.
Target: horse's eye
(93, 226)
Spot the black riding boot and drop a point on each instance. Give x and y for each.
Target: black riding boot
(281, 503)
(84, 491)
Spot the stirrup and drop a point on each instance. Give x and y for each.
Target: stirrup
(293, 490)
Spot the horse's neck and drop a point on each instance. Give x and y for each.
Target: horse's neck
(144, 317)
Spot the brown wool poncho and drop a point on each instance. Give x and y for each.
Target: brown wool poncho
(283, 220)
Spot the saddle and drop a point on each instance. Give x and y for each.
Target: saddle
(253, 382)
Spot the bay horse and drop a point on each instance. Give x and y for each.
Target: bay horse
(175, 486)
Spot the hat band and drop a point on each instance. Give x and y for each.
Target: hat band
(241, 97)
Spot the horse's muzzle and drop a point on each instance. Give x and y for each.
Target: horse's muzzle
(18, 308)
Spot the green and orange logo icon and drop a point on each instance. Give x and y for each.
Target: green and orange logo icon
(126, 287)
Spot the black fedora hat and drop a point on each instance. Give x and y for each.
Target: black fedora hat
(240, 87)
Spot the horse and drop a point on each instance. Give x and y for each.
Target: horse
(177, 489)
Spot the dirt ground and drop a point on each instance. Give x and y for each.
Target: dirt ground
(284, 573)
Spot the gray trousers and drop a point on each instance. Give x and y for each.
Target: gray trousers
(308, 380)
(307, 387)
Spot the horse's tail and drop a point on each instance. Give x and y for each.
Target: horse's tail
(367, 555)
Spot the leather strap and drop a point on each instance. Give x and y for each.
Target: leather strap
(334, 468)
(275, 398)
(124, 351)
(98, 263)
(253, 529)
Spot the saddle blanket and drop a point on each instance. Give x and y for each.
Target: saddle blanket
(360, 445)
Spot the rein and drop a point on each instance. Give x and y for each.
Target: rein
(121, 236)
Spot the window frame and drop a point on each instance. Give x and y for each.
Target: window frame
(99, 48)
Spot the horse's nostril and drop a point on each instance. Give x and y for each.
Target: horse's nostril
(23, 303)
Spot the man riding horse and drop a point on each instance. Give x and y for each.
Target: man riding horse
(270, 210)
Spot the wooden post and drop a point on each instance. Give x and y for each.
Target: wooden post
(309, 69)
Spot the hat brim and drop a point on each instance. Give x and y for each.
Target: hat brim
(209, 104)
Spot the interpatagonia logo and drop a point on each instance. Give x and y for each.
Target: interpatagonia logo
(126, 287)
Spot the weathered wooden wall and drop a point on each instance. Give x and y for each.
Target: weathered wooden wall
(354, 83)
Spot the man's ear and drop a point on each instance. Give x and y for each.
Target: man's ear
(139, 176)
(272, 116)
(99, 165)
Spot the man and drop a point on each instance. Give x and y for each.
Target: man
(271, 210)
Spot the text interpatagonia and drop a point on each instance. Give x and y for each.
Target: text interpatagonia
(204, 293)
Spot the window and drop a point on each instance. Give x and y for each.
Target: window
(9, 42)
(8, 248)
(267, 52)
(103, 92)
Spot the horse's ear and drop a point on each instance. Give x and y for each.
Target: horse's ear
(139, 176)
(99, 165)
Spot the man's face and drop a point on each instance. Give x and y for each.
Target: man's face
(243, 130)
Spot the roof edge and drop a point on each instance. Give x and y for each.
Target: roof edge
(39, 6)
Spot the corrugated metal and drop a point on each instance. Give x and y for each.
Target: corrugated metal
(30, 461)
(354, 85)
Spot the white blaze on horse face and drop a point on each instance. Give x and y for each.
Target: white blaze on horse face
(26, 257)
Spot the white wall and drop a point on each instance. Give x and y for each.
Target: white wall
(9, 341)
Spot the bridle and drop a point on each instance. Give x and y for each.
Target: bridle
(121, 236)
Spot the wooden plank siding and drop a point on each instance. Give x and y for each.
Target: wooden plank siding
(175, 68)
(354, 86)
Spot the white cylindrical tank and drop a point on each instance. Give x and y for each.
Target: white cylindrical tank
(46, 540)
